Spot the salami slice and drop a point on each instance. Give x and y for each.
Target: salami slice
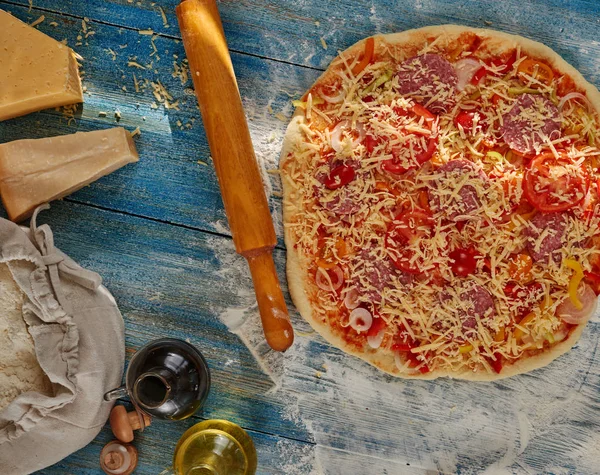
(442, 193)
(553, 227)
(531, 121)
(474, 303)
(376, 273)
(343, 201)
(429, 79)
(481, 306)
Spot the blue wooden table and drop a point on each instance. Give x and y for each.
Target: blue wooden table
(157, 233)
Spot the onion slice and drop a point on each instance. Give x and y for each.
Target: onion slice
(465, 70)
(578, 96)
(374, 341)
(570, 314)
(331, 279)
(346, 126)
(399, 362)
(351, 299)
(333, 99)
(361, 319)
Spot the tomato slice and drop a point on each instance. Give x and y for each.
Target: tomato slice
(405, 230)
(394, 165)
(535, 69)
(501, 65)
(593, 279)
(552, 185)
(414, 361)
(465, 119)
(404, 342)
(496, 362)
(377, 325)
(421, 111)
(464, 261)
(506, 65)
(339, 176)
(478, 76)
(370, 143)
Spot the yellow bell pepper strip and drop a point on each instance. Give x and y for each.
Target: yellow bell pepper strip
(369, 48)
(302, 104)
(525, 216)
(529, 216)
(465, 349)
(576, 279)
(496, 155)
(476, 95)
(519, 334)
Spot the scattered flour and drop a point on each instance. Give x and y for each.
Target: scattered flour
(363, 421)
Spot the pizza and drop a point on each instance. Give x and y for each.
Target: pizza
(441, 203)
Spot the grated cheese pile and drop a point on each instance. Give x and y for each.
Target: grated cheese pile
(472, 190)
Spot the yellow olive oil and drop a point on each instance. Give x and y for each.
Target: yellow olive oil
(215, 447)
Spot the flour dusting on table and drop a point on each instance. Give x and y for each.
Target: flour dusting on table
(369, 422)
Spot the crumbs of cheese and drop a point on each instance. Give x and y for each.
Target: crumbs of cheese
(381, 128)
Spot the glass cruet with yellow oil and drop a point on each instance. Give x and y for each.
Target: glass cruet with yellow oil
(214, 447)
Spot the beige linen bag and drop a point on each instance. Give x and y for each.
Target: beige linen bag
(77, 331)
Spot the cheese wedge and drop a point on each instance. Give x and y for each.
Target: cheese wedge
(33, 172)
(37, 72)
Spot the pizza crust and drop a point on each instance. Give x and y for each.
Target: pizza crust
(296, 275)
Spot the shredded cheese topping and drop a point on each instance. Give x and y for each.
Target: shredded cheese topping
(472, 189)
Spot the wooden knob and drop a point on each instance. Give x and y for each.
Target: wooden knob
(118, 458)
(123, 423)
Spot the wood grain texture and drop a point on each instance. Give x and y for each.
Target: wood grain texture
(287, 30)
(168, 184)
(156, 231)
(233, 155)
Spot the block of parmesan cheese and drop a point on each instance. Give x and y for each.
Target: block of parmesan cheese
(37, 72)
(36, 171)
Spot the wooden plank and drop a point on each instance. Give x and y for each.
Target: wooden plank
(168, 184)
(177, 282)
(542, 422)
(291, 31)
(157, 444)
(168, 281)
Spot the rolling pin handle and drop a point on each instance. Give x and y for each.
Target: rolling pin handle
(271, 304)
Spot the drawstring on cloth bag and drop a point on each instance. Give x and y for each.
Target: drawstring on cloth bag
(56, 262)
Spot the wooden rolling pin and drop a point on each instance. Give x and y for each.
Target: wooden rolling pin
(235, 163)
